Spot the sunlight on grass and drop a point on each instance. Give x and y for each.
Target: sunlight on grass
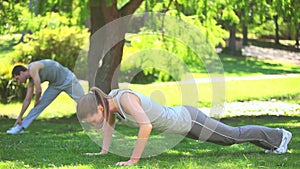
(62, 106)
(11, 164)
(60, 143)
(172, 94)
(261, 89)
(177, 152)
(247, 66)
(289, 124)
(21, 164)
(74, 166)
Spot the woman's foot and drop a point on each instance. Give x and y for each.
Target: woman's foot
(286, 138)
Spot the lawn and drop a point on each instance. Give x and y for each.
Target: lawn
(61, 143)
(238, 90)
(56, 139)
(286, 89)
(6, 47)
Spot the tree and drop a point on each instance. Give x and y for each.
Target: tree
(9, 12)
(104, 12)
(104, 63)
(230, 20)
(277, 11)
(211, 13)
(244, 11)
(292, 16)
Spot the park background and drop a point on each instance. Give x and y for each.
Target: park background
(257, 43)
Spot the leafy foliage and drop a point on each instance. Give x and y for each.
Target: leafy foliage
(9, 13)
(33, 15)
(62, 44)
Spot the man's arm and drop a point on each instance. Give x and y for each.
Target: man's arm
(26, 103)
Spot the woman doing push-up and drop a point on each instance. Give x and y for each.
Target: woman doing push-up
(130, 106)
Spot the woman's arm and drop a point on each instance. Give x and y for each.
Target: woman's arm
(108, 131)
(131, 104)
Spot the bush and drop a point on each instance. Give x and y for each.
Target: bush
(62, 44)
(149, 58)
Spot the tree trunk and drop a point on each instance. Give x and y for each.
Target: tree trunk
(297, 35)
(107, 74)
(245, 34)
(107, 41)
(94, 54)
(232, 39)
(276, 29)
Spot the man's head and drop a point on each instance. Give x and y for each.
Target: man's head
(19, 73)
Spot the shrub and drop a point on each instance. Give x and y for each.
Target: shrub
(149, 58)
(62, 44)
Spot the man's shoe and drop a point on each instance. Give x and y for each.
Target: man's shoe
(15, 130)
(286, 138)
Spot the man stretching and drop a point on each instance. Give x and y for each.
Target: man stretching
(60, 79)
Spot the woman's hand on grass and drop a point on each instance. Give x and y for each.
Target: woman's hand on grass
(127, 163)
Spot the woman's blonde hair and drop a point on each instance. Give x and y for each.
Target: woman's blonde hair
(88, 104)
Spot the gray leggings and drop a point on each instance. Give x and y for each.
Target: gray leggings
(205, 128)
(71, 87)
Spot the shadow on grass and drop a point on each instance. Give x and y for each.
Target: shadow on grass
(8, 45)
(270, 44)
(240, 65)
(49, 143)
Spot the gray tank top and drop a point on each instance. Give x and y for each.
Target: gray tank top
(54, 73)
(175, 120)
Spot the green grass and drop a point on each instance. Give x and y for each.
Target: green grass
(56, 140)
(246, 66)
(6, 47)
(61, 143)
(286, 89)
(172, 94)
(56, 109)
(267, 43)
(233, 65)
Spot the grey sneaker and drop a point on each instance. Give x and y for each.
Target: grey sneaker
(286, 138)
(15, 130)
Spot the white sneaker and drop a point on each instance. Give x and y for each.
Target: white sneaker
(15, 130)
(286, 138)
